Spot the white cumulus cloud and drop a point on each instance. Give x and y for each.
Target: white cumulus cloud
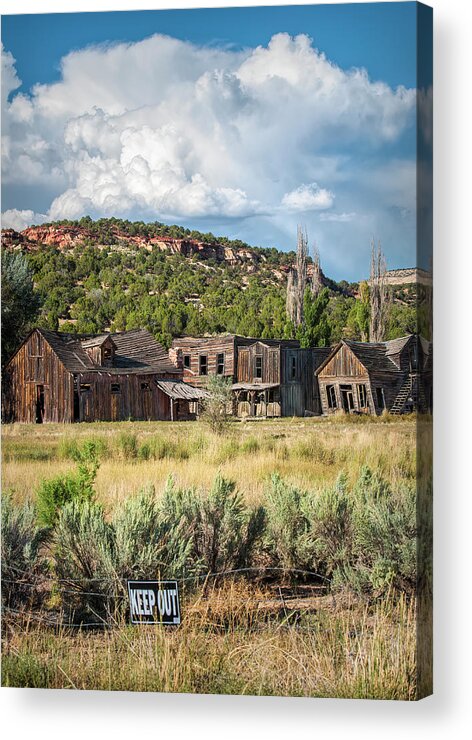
(19, 220)
(163, 128)
(308, 198)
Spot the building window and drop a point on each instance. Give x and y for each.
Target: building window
(107, 355)
(380, 398)
(347, 398)
(413, 352)
(203, 365)
(145, 386)
(362, 396)
(220, 363)
(187, 362)
(331, 394)
(115, 388)
(85, 387)
(293, 367)
(258, 367)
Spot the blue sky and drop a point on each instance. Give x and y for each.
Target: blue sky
(242, 121)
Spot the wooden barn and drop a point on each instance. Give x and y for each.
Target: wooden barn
(269, 377)
(368, 378)
(58, 377)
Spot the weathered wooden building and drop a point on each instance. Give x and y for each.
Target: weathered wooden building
(363, 377)
(269, 377)
(58, 377)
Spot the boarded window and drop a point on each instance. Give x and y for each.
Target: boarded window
(116, 388)
(187, 361)
(258, 366)
(203, 364)
(362, 396)
(145, 386)
(380, 398)
(220, 363)
(331, 393)
(35, 368)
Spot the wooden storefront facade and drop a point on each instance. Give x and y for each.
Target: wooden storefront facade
(369, 378)
(269, 377)
(65, 378)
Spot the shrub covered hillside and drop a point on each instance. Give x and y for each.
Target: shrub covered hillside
(92, 276)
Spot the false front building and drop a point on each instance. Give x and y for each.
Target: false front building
(269, 377)
(58, 377)
(369, 378)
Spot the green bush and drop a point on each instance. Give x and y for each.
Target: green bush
(23, 565)
(160, 448)
(288, 529)
(128, 445)
(70, 448)
(330, 513)
(84, 557)
(216, 406)
(54, 493)
(362, 537)
(146, 542)
(224, 531)
(385, 545)
(250, 445)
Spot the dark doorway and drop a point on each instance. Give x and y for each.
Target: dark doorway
(347, 398)
(76, 400)
(380, 398)
(39, 404)
(76, 406)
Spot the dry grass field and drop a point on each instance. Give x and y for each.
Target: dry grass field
(306, 452)
(238, 635)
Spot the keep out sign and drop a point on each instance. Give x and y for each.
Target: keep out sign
(154, 602)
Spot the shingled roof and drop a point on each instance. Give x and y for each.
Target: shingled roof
(375, 356)
(136, 352)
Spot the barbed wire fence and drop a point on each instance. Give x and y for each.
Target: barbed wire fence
(319, 586)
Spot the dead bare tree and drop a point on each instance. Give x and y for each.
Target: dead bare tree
(297, 280)
(379, 294)
(317, 275)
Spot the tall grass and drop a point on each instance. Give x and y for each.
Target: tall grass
(336, 497)
(356, 652)
(306, 452)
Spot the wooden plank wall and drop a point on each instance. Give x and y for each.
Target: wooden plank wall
(131, 402)
(302, 393)
(345, 369)
(247, 363)
(210, 347)
(35, 364)
(344, 364)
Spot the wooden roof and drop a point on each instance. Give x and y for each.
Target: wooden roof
(374, 356)
(189, 342)
(253, 386)
(180, 390)
(136, 352)
(97, 341)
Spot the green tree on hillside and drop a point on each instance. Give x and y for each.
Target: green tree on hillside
(315, 330)
(20, 301)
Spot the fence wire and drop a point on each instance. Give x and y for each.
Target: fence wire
(291, 612)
